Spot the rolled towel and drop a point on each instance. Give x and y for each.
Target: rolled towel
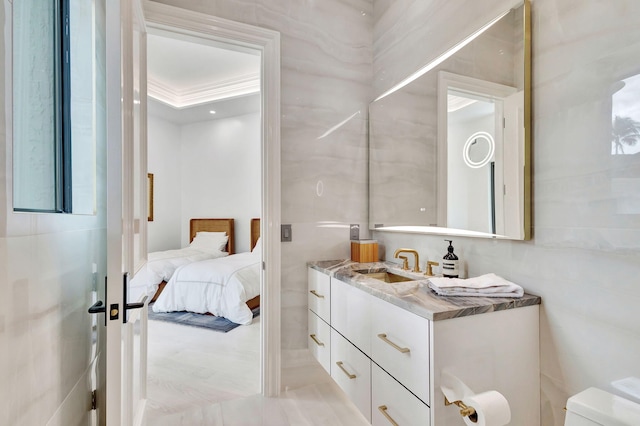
(488, 285)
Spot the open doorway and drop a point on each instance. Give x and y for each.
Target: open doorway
(214, 32)
(204, 150)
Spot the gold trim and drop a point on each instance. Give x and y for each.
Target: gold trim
(465, 411)
(150, 197)
(315, 339)
(528, 169)
(319, 296)
(398, 348)
(351, 376)
(383, 410)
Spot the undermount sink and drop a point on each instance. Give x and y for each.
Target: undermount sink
(385, 276)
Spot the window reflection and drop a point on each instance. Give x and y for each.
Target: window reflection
(625, 138)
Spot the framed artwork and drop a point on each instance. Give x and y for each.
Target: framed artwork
(150, 197)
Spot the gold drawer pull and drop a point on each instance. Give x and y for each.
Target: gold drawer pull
(316, 294)
(318, 342)
(384, 338)
(349, 375)
(383, 410)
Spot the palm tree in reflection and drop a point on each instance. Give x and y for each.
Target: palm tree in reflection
(626, 131)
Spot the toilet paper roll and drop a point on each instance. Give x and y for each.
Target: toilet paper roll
(492, 409)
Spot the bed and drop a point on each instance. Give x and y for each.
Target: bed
(161, 265)
(226, 286)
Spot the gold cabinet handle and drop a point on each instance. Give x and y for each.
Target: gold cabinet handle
(383, 410)
(315, 339)
(349, 375)
(319, 296)
(384, 338)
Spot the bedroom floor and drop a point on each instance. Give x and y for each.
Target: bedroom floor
(201, 377)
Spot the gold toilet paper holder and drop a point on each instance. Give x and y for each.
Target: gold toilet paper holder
(465, 411)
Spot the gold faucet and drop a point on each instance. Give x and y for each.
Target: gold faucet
(405, 263)
(430, 265)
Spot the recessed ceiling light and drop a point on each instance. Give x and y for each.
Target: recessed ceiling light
(212, 112)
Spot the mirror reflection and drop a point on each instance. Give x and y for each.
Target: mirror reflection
(447, 151)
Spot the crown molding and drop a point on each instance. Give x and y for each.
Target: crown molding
(203, 93)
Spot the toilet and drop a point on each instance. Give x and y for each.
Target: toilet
(596, 407)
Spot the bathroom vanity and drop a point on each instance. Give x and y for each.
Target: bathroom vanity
(386, 344)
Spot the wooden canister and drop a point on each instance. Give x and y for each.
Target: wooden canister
(364, 251)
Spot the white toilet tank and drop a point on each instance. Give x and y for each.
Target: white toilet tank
(596, 407)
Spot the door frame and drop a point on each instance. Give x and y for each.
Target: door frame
(182, 21)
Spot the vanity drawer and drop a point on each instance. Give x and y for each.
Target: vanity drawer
(400, 345)
(391, 398)
(319, 295)
(350, 314)
(320, 341)
(351, 370)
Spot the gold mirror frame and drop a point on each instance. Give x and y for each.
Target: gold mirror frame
(423, 189)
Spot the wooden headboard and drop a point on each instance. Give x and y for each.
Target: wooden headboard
(255, 232)
(214, 225)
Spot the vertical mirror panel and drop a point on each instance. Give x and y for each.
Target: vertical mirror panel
(83, 111)
(35, 156)
(448, 145)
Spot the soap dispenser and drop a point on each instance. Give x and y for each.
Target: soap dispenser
(450, 263)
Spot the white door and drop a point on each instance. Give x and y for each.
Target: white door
(123, 381)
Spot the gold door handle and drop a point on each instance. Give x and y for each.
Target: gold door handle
(349, 375)
(316, 294)
(383, 410)
(398, 348)
(318, 342)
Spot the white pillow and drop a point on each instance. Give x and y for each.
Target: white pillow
(215, 241)
(258, 247)
(211, 234)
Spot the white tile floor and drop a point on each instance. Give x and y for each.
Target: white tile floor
(201, 377)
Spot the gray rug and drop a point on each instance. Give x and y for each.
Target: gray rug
(211, 322)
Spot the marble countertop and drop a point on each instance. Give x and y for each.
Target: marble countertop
(416, 296)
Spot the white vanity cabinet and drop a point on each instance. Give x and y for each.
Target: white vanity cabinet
(400, 345)
(320, 341)
(351, 370)
(319, 299)
(351, 314)
(392, 402)
(389, 360)
(319, 295)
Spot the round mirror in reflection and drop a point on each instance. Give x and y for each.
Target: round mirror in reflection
(478, 150)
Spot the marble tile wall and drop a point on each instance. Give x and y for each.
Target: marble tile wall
(584, 258)
(325, 80)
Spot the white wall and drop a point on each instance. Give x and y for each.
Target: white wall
(164, 150)
(47, 281)
(221, 173)
(584, 259)
(204, 169)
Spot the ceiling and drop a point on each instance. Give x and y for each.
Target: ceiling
(187, 77)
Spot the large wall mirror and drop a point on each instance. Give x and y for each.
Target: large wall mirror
(449, 147)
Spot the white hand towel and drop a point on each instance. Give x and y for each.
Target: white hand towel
(488, 285)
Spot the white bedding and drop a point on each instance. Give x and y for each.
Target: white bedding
(220, 286)
(161, 266)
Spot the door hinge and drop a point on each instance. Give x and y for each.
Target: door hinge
(94, 402)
